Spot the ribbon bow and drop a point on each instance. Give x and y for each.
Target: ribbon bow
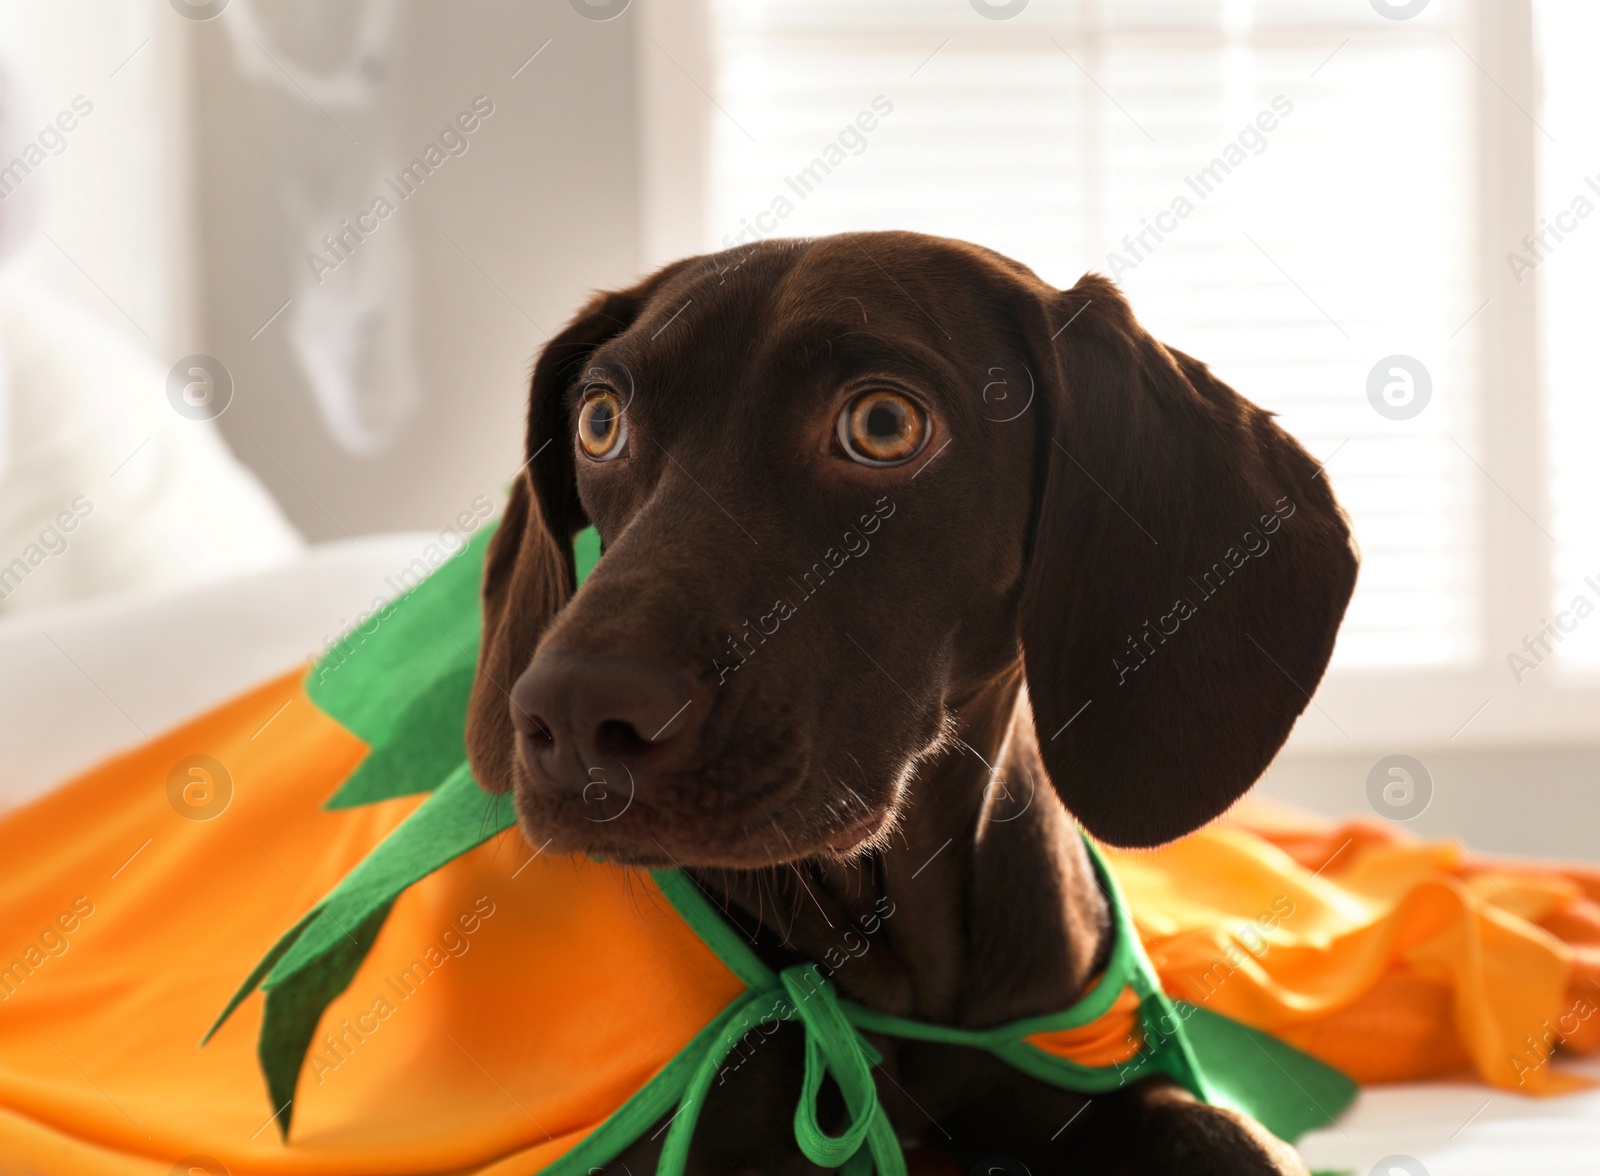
(834, 1048)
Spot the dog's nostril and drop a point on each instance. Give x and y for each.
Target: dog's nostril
(532, 730)
(615, 737)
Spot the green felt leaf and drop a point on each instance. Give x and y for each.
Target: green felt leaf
(316, 962)
(458, 816)
(294, 1007)
(424, 747)
(400, 681)
(586, 552)
(1288, 1092)
(371, 678)
(253, 981)
(404, 684)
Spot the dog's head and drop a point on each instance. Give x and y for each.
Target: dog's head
(845, 484)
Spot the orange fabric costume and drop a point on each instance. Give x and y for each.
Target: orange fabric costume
(1389, 958)
(503, 1012)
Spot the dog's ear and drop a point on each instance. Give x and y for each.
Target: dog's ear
(1187, 574)
(528, 571)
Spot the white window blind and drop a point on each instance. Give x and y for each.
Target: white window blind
(1568, 279)
(1337, 230)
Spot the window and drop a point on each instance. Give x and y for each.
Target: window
(1315, 200)
(1568, 282)
(1309, 232)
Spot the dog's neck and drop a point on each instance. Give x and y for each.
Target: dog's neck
(984, 907)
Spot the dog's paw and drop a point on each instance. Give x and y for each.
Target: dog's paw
(1180, 1135)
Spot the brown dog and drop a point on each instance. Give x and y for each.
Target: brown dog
(910, 561)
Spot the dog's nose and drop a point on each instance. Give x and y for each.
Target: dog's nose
(582, 716)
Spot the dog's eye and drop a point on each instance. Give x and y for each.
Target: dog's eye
(882, 428)
(602, 428)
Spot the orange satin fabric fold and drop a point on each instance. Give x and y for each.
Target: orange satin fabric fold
(1110, 1040)
(1387, 957)
(513, 1001)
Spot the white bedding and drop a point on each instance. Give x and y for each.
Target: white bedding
(1463, 1129)
(80, 681)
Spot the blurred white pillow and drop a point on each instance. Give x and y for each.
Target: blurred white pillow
(104, 486)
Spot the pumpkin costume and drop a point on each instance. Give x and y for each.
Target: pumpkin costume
(459, 1002)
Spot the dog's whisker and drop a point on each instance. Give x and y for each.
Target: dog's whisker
(488, 812)
(635, 881)
(804, 885)
(794, 917)
(720, 903)
(761, 902)
(780, 886)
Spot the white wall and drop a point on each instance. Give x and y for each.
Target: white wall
(218, 152)
(298, 126)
